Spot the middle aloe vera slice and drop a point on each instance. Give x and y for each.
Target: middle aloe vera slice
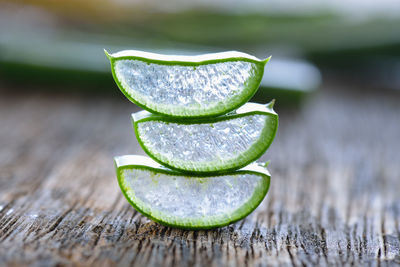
(187, 86)
(208, 145)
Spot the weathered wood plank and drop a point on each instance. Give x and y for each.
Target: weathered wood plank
(334, 197)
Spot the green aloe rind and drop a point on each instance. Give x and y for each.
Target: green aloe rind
(177, 143)
(187, 86)
(190, 102)
(190, 202)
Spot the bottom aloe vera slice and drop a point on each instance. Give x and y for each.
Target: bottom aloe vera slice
(208, 145)
(190, 202)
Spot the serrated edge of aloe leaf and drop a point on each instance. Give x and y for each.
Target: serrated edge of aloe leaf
(254, 109)
(126, 160)
(246, 108)
(129, 161)
(237, 101)
(190, 60)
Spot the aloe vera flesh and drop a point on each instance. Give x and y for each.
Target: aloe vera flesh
(190, 202)
(209, 145)
(187, 86)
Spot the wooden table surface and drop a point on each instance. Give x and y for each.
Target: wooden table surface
(334, 196)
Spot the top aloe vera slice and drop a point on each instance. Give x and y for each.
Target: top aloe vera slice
(208, 145)
(190, 202)
(187, 86)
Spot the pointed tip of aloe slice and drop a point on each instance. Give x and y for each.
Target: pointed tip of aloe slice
(266, 164)
(107, 54)
(265, 61)
(271, 104)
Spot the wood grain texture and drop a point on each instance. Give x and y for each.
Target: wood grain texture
(334, 197)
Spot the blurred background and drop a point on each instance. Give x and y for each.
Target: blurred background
(59, 44)
(335, 75)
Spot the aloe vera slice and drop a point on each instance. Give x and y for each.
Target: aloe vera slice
(187, 86)
(191, 202)
(208, 145)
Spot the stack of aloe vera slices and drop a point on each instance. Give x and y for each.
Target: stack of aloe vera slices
(200, 133)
